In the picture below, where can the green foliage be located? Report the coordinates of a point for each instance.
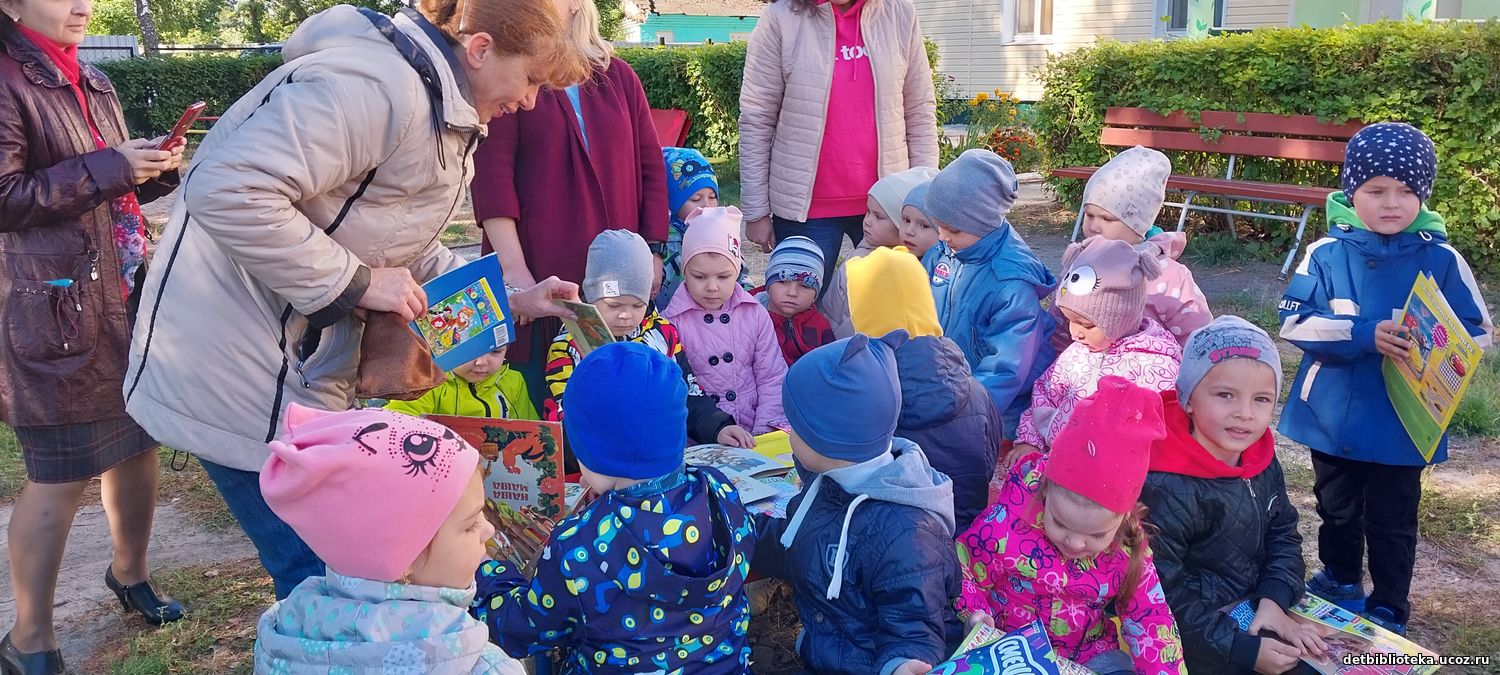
(1442, 77)
(611, 19)
(221, 21)
(154, 91)
(1478, 413)
(704, 81)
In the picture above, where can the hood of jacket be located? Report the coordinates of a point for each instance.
(1341, 215)
(414, 37)
(664, 517)
(1180, 453)
(1007, 257)
(339, 622)
(901, 476)
(1169, 245)
(935, 381)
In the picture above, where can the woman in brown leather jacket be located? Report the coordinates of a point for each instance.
(72, 246)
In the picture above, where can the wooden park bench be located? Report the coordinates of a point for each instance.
(1301, 137)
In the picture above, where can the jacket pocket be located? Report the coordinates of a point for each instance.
(1309, 379)
(45, 323)
(330, 351)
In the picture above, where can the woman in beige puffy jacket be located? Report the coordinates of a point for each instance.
(836, 94)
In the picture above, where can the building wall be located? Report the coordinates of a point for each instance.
(696, 28)
(970, 38)
(1256, 13)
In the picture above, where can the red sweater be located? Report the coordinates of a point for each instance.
(533, 167)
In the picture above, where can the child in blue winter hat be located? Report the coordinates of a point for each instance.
(650, 575)
(691, 184)
(1338, 310)
(873, 514)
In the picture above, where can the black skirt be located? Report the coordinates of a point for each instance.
(74, 452)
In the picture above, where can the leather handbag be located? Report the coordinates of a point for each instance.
(395, 363)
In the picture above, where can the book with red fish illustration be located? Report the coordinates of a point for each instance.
(523, 482)
(467, 315)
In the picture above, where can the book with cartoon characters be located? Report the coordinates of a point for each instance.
(1356, 646)
(757, 477)
(523, 481)
(990, 651)
(467, 313)
(1427, 386)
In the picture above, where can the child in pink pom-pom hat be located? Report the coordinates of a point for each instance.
(394, 505)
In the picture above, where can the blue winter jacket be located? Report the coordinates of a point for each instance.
(1347, 283)
(989, 301)
(648, 578)
(869, 554)
(946, 412)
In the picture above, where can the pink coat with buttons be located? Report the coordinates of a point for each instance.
(735, 356)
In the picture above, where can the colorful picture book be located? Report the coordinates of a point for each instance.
(523, 482)
(589, 331)
(468, 314)
(990, 651)
(756, 476)
(1349, 635)
(1427, 385)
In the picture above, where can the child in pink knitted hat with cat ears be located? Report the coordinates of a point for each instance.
(1102, 297)
(394, 505)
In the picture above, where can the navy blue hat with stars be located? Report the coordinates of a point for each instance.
(1394, 149)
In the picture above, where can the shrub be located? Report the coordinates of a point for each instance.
(1442, 77)
(154, 91)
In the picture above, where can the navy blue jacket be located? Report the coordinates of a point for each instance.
(952, 417)
(646, 578)
(894, 589)
(1348, 282)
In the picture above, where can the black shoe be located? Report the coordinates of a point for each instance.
(141, 597)
(13, 662)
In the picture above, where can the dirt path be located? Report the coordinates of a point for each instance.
(176, 541)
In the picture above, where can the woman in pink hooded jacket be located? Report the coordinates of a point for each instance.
(728, 336)
(1103, 297)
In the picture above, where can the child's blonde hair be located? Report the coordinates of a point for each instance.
(1132, 537)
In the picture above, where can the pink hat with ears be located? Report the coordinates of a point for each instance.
(366, 489)
(715, 230)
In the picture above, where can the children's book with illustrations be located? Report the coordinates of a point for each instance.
(990, 651)
(756, 476)
(468, 314)
(1426, 386)
(1347, 636)
(523, 482)
(589, 331)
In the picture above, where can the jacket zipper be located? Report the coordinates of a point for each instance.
(474, 391)
(958, 272)
(463, 179)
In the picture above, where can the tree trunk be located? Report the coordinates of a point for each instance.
(150, 41)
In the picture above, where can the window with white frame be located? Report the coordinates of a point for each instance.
(1174, 15)
(665, 36)
(1033, 19)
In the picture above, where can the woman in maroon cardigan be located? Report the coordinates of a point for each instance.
(549, 179)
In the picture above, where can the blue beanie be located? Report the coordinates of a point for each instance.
(918, 197)
(844, 398)
(687, 172)
(626, 412)
(973, 193)
(796, 259)
(1394, 149)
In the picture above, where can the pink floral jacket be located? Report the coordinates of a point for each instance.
(1012, 572)
(1149, 358)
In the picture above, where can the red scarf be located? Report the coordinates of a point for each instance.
(129, 225)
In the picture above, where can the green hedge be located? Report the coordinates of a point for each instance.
(155, 90)
(1442, 77)
(702, 80)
